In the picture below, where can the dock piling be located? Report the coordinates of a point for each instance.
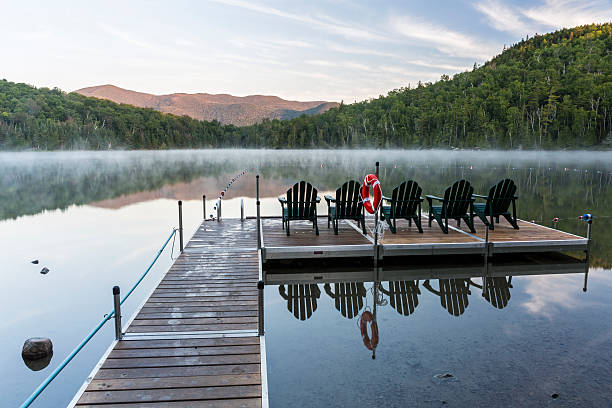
(219, 210)
(588, 251)
(117, 310)
(260, 306)
(204, 207)
(180, 210)
(241, 210)
(258, 212)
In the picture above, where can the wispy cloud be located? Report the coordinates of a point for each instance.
(548, 14)
(504, 18)
(443, 39)
(570, 13)
(325, 23)
(124, 35)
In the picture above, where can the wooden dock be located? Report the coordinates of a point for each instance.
(194, 342)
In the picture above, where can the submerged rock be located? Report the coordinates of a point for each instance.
(555, 395)
(445, 375)
(35, 262)
(36, 348)
(44, 270)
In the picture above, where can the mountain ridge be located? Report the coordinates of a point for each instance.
(224, 108)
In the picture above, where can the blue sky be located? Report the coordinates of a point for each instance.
(310, 50)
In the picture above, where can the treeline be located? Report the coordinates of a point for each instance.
(550, 91)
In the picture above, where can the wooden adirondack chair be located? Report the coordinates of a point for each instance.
(501, 195)
(346, 205)
(348, 297)
(453, 294)
(301, 204)
(497, 292)
(405, 203)
(457, 204)
(301, 299)
(403, 296)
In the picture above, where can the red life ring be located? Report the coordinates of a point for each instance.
(365, 318)
(371, 180)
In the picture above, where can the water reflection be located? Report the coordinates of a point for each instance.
(496, 290)
(403, 296)
(453, 294)
(301, 299)
(348, 297)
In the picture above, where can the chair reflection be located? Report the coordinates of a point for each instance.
(453, 294)
(497, 290)
(348, 297)
(403, 296)
(301, 299)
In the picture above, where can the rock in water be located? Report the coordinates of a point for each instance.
(36, 348)
(445, 375)
(35, 262)
(44, 270)
(37, 365)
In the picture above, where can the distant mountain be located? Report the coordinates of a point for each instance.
(226, 109)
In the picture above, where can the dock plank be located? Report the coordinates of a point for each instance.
(212, 286)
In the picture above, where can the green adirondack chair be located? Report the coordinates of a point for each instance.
(301, 299)
(405, 202)
(348, 297)
(403, 296)
(453, 294)
(497, 291)
(501, 195)
(457, 204)
(346, 205)
(300, 204)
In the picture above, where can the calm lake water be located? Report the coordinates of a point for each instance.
(97, 219)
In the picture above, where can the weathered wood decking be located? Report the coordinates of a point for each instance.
(194, 342)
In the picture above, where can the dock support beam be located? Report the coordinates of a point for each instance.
(588, 252)
(180, 208)
(487, 254)
(260, 305)
(241, 210)
(117, 309)
(219, 210)
(258, 212)
(376, 255)
(204, 207)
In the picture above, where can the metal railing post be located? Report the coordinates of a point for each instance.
(219, 210)
(376, 226)
(180, 209)
(260, 304)
(486, 261)
(117, 308)
(241, 210)
(258, 212)
(588, 252)
(204, 206)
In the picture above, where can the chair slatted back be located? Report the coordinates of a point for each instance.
(348, 297)
(301, 201)
(500, 197)
(301, 299)
(454, 295)
(498, 291)
(403, 296)
(405, 199)
(348, 202)
(457, 199)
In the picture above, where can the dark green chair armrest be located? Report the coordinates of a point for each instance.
(318, 199)
(282, 200)
(479, 196)
(329, 199)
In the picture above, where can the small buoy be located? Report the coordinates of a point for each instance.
(44, 270)
(222, 193)
(555, 219)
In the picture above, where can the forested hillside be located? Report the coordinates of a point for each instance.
(550, 91)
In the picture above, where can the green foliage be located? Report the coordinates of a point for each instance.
(552, 91)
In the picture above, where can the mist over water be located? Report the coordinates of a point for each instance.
(96, 219)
